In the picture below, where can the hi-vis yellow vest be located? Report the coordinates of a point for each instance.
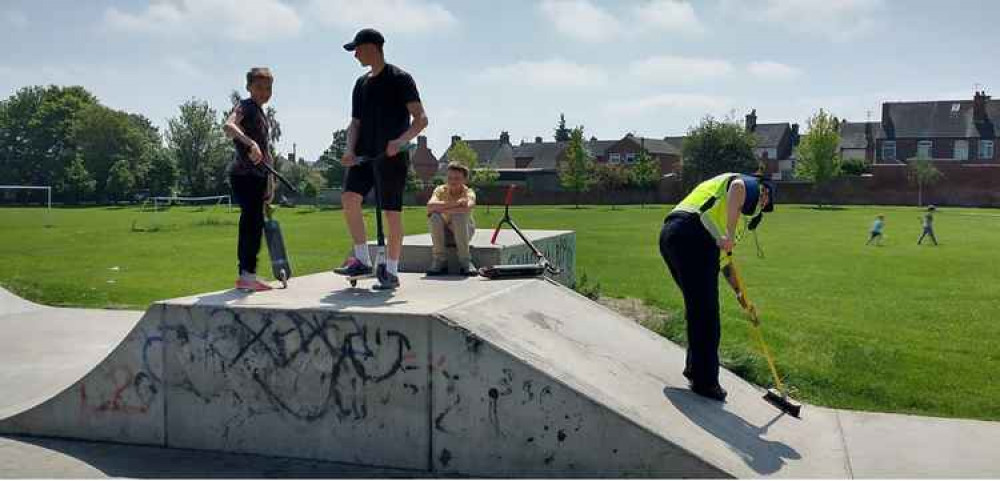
(709, 201)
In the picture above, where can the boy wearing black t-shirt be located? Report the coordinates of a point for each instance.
(383, 103)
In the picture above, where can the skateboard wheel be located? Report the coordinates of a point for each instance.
(354, 283)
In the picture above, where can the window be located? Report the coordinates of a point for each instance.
(615, 158)
(630, 158)
(985, 149)
(924, 148)
(889, 150)
(961, 150)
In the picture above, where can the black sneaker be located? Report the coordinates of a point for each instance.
(437, 270)
(713, 392)
(353, 268)
(389, 282)
(687, 374)
(468, 270)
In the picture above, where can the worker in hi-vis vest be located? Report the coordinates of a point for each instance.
(696, 241)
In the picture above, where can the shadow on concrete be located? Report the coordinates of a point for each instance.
(761, 455)
(39, 459)
(222, 298)
(361, 297)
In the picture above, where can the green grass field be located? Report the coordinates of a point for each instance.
(897, 328)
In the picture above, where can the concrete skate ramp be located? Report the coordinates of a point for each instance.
(45, 349)
(463, 376)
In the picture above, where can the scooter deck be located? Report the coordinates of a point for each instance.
(280, 266)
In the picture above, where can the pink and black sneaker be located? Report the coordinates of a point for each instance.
(253, 285)
(352, 268)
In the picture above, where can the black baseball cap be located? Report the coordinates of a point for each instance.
(365, 35)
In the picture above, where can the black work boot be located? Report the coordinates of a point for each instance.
(713, 392)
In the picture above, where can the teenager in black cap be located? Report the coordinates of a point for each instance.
(386, 114)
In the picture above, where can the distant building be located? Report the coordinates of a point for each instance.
(955, 130)
(775, 147)
(424, 163)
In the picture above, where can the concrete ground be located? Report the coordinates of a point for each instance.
(23, 457)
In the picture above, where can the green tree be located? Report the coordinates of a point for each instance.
(36, 123)
(715, 147)
(922, 172)
(75, 183)
(120, 181)
(330, 160)
(854, 167)
(562, 132)
(104, 136)
(818, 153)
(611, 179)
(162, 173)
(196, 141)
(645, 174)
(576, 174)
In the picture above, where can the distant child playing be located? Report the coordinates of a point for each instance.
(247, 126)
(876, 234)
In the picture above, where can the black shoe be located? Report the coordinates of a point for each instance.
(687, 374)
(468, 270)
(437, 271)
(714, 392)
(353, 268)
(390, 282)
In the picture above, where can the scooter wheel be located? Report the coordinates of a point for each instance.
(354, 283)
(283, 277)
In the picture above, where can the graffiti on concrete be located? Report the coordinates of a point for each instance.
(305, 365)
(120, 388)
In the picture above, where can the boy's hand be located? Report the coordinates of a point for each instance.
(393, 148)
(255, 154)
(349, 159)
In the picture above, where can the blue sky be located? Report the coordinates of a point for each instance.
(653, 67)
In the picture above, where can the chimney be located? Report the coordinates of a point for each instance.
(593, 139)
(751, 121)
(979, 106)
(455, 138)
(795, 134)
(887, 126)
(505, 137)
(422, 142)
(538, 140)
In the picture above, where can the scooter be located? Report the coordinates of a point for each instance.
(280, 265)
(511, 271)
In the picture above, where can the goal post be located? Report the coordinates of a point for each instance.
(157, 201)
(46, 188)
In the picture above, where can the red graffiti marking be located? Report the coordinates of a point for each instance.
(116, 403)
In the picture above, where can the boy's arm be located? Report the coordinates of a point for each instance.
(418, 125)
(350, 157)
(233, 131)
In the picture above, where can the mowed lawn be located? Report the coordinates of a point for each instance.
(896, 328)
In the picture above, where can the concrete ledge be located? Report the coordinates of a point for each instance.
(559, 246)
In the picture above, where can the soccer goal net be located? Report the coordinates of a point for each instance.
(199, 203)
(27, 195)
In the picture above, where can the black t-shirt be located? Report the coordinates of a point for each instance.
(254, 125)
(379, 102)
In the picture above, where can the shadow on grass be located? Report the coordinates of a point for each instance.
(831, 208)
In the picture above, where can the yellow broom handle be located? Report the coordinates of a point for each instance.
(755, 328)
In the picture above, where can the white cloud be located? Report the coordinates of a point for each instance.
(691, 103)
(670, 69)
(837, 20)
(581, 20)
(768, 70)
(584, 21)
(184, 67)
(241, 20)
(668, 16)
(14, 18)
(390, 16)
(548, 73)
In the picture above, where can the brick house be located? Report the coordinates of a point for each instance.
(626, 152)
(497, 153)
(424, 163)
(947, 130)
(775, 147)
(857, 140)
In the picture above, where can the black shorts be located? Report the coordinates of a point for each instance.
(361, 178)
